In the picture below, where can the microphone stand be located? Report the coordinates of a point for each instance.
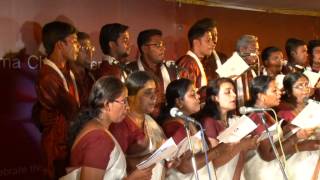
(204, 145)
(193, 159)
(263, 119)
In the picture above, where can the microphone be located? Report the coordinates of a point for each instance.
(247, 110)
(175, 112)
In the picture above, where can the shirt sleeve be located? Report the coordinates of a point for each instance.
(210, 126)
(175, 130)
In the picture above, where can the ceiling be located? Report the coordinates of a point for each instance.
(306, 7)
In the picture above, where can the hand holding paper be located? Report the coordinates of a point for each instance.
(239, 129)
(309, 117)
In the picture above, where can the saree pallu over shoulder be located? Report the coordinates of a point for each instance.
(116, 168)
(156, 137)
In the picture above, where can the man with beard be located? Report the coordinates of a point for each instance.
(114, 43)
(57, 93)
(152, 50)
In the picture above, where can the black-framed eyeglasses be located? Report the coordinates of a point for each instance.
(157, 45)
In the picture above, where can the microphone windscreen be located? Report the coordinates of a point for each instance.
(243, 110)
(173, 111)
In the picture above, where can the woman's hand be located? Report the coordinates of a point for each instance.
(249, 143)
(305, 133)
(141, 174)
(309, 145)
(213, 142)
(173, 163)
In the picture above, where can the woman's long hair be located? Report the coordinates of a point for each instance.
(105, 89)
(211, 108)
(175, 90)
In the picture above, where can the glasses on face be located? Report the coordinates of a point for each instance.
(123, 101)
(302, 86)
(87, 48)
(157, 45)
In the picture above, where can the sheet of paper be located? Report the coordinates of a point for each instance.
(166, 150)
(272, 129)
(235, 65)
(279, 81)
(183, 146)
(312, 76)
(239, 129)
(309, 117)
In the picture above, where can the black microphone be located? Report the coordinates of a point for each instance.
(247, 110)
(175, 112)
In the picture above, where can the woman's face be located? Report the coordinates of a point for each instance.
(301, 90)
(226, 97)
(145, 99)
(191, 102)
(271, 97)
(119, 107)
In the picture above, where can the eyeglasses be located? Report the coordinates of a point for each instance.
(302, 86)
(87, 48)
(157, 45)
(123, 101)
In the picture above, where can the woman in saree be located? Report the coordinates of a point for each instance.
(95, 154)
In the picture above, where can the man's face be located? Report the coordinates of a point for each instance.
(274, 62)
(70, 47)
(205, 44)
(154, 50)
(300, 55)
(316, 55)
(123, 45)
(214, 33)
(251, 48)
(85, 52)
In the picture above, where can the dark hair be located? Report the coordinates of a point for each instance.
(107, 88)
(207, 23)
(145, 36)
(211, 108)
(137, 80)
(313, 44)
(176, 89)
(291, 45)
(55, 31)
(110, 32)
(266, 53)
(288, 82)
(197, 31)
(259, 84)
(82, 36)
